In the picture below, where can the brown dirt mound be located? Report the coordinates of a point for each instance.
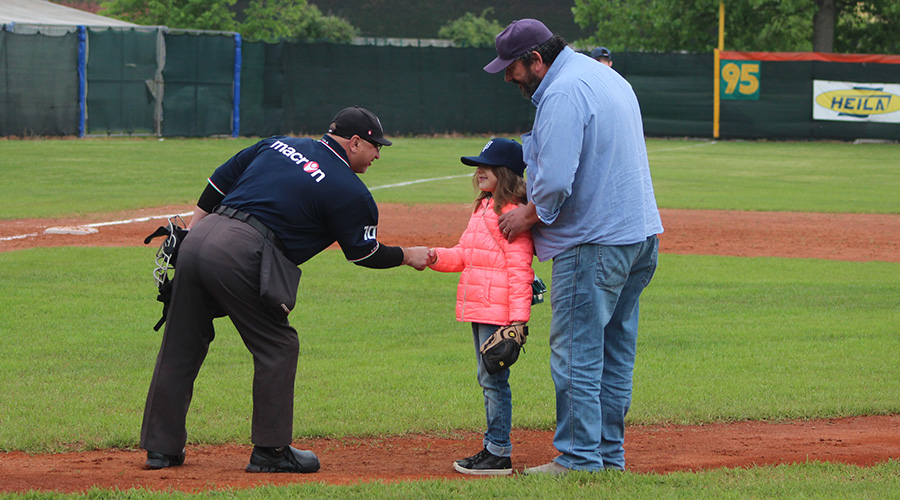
(858, 440)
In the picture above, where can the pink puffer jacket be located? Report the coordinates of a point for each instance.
(495, 285)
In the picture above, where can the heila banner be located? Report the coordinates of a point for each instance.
(857, 102)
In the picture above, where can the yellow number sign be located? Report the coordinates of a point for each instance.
(739, 80)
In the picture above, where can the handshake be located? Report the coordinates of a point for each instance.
(418, 257)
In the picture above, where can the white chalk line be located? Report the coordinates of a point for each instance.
(386, 186)
(139, 219)
(18, 237)
(145, 219)
(101, 224)
(419, 181)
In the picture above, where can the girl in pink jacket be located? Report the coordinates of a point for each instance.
(494, 287)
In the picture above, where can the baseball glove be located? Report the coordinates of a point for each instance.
(502, 348)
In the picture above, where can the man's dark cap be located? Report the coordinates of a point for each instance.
(601, 52)
(518, 38)
(358, 121)
(499, 152)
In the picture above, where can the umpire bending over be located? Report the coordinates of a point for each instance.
(268, 209)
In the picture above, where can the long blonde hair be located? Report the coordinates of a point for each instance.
(510, 189)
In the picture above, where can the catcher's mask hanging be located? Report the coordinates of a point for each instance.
(165, 260)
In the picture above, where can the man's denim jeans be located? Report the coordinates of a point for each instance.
(497, 398)
(593, 338)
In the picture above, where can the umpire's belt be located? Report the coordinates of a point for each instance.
(253, 221)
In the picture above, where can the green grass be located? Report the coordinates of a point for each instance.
(722, 339)
(50, 178)
(777, 176)
(726, 338)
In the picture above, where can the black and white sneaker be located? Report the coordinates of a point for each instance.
(484, 463)
(282, 459)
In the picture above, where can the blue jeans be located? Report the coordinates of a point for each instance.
(593, 339)
(497, 398)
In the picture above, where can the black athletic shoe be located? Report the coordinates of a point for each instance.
(161, 461)
(484, 463)
(282, 459)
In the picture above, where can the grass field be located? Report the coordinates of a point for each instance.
(55, 178)
(722, 338)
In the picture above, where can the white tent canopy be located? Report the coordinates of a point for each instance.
(41, 12)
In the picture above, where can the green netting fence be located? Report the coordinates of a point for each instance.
(124, 81)
(674, 90)
(167, 83)
(39, 92)
(413, 90)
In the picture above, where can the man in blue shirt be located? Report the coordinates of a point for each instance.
(265, 211)
(591, 209)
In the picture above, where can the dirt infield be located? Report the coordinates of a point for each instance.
(858, 440)
(862, 441)
(851, 237)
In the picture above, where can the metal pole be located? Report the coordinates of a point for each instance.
(716, 78)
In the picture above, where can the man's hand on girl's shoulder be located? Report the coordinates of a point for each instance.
(518, 220)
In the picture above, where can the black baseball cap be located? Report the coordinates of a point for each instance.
(499, 152)
(358, 121)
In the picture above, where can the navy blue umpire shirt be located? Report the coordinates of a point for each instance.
(305, 192)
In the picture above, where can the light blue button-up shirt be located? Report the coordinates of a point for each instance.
(588, 172)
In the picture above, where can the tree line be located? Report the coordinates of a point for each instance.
(263, 19)
(847, 26)
(851, 26)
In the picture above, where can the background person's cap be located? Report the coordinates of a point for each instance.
(518, 38)
(601, 52)
(358, 121)
(499, 152)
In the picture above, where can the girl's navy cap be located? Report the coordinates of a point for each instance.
(499, 152)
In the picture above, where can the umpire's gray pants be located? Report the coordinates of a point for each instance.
(218, 272)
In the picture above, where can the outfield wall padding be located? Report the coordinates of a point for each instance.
(784, 109)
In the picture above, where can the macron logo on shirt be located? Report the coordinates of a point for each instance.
(311, 167)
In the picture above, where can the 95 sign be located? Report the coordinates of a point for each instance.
(739, 80)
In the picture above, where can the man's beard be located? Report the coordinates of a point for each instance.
(529, 85)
